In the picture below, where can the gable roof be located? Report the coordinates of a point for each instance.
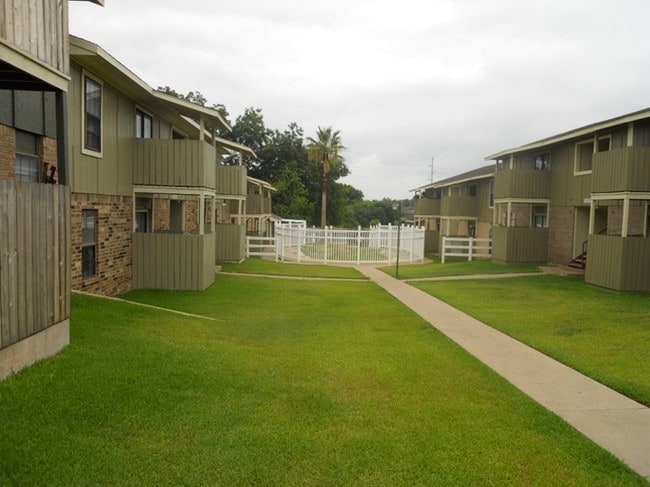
(478, 173)
(575, 133)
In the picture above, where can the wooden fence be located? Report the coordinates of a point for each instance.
(34, 259)
(466, 247)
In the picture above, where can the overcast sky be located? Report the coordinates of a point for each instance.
(404, 81)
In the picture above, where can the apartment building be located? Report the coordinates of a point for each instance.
(34, 192)
(459, 206)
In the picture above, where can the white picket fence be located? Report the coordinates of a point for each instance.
(379, 244)
(260, 246)
(466, 247)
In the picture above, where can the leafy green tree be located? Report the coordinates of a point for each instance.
(326, 149)
(291, 200)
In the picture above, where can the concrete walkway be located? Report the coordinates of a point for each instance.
(610, 419)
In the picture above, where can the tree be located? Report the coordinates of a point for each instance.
(325, 149)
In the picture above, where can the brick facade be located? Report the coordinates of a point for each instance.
(7, 152)
(560, 234)
(635, 223)
(114, 243)
(47, 152)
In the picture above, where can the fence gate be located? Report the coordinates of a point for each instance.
(260, 246)
(466, 247)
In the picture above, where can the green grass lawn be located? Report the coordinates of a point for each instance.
(296, 383)
(456, 268)
(262, 266)
(604, 334)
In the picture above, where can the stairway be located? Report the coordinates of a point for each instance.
(579, 262)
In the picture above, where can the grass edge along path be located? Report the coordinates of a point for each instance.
(336, 383)
(261, 267)
(597, 332)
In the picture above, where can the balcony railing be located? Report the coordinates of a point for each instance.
(427, 206)
(626, 169)
(522, 183)
(459, 206)
(181, 163)
(231, 180)
(257, 204)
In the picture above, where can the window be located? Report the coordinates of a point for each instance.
(143, 125)
(491, 204)
(583, 157)
(540, 217)
(604, 143)
(92, 103)
(501, 164)
(142, 221)
(473, 189)
(88, 243)
(27, 160)
(543, 162)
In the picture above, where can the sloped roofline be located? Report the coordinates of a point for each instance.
(575, 133)
(80, 48)
(473, 175)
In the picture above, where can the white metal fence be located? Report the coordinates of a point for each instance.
(467, 247)
(379, 244)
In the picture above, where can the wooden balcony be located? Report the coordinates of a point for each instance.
(459, 206)
(620, 263)
(179, 163)
(522, 183)
(173, 261)
(427, 206)
(231, 180)
(626, 169)
(519, 244)
(257, 204)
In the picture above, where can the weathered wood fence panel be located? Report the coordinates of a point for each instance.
(230, 242)
(34, 259)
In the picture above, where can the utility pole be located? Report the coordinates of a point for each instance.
(432, 171)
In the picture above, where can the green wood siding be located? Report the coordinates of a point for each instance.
(459, 206)
(620, 263)
(520, 244)
(35, 265)
(257, 204)
(173, 261)
(427, 206)
(432, 241)
(522, 183)
(626, 169)
(230, 242)
(187, 163)
(231, 180)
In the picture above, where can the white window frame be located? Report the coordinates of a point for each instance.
(576, 158)
(85, 150)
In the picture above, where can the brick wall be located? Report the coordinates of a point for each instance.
(7, 152)
(48, 155)
(635, 221)
(113, 251)
(161, 215)
(560, 234)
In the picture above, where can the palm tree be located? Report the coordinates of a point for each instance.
(325, 149)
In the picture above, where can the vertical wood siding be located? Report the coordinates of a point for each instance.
(231, 180)
(173, 261)
(620, 263)
(34, 259)
(39, 27)
(520, 244)
(230, 242)
(522, 183)
(626, 169)
(189, 163)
